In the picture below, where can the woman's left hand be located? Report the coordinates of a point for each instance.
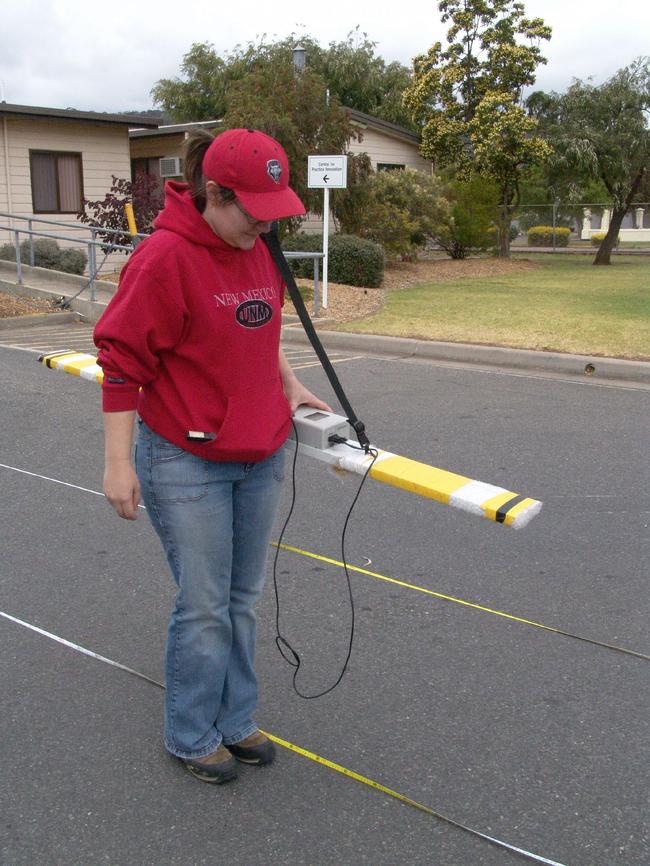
(298, 395)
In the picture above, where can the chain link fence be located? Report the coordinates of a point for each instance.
(583, 220)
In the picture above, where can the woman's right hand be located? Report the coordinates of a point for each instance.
(122, 488)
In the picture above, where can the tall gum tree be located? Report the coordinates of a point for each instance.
(467, 97)
(601, 133)
(353, 73)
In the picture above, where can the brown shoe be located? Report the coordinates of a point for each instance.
(216, 768)
(256, 749)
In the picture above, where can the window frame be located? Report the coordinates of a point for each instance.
(136, 160)
(391, 166)
(56, 154)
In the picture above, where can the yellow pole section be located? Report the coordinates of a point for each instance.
(130, 218)
(468, 494)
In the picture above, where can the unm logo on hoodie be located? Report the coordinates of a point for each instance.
(253, 310)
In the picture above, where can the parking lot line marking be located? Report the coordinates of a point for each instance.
(333, 360)
(305, 753)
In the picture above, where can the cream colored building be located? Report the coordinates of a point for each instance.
(158, 151)
(50, 158)
(389, 146)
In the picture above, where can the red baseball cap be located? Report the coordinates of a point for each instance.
(256, 168)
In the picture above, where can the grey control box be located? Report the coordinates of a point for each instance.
(316, 426)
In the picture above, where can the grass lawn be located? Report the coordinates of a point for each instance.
(564, 304)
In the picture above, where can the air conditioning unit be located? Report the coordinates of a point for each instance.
(170, 166)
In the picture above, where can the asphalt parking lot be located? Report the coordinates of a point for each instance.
(515, 731)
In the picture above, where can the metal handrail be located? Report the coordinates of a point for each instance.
(80, 226)
(92, 245)
(296, 254)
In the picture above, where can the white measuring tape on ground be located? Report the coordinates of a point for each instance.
(536, 858)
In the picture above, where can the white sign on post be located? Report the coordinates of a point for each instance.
(326, 172)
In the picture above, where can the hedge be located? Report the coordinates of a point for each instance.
(542, 236)
(352, 261)
(47, 255)
(597, 239)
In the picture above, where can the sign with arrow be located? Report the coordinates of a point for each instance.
(327, 172)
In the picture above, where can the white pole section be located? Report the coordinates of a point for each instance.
(326, 238)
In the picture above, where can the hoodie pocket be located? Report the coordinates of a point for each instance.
(255, 424)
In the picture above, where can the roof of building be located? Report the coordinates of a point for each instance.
(362, 119)
(39, 113)
(358, 117)
(174, 128)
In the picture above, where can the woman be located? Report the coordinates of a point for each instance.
(191, 341)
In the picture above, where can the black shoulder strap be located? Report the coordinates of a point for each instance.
(273, 243)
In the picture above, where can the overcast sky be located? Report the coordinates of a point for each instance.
(78, 54)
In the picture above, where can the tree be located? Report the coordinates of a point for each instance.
(405, 209)
(468, 96)
(146, 195)
(200, 94)
(292, 107)
(469, 224)
(362, 80)
(601, 133)
(349, 204)
(352, 72)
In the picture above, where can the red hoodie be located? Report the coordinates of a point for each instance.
(195, 324)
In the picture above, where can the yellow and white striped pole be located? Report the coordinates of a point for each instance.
(475, 497)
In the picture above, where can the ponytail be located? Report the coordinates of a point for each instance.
(198, 141)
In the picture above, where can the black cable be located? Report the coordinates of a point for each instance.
(282, 643)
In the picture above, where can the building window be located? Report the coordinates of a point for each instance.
(390, 166)
(57, 185)
(145, 165)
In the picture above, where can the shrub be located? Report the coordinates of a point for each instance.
(353, 261)
(469, 225)
(542, 236)
(406, 208)
(349, 204)
(598, 237)
(146, 195)
(46, 253)
(73, 261)
(304, 243)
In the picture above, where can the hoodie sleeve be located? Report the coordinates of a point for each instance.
(144, 318)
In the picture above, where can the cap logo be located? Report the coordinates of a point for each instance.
(274, 169)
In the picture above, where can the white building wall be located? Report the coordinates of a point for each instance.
(386, 149)
(104, 152)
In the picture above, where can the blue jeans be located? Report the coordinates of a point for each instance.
(214, 521)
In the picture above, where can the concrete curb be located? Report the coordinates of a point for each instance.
(14, 323)
(595, 367)
(592, 366)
